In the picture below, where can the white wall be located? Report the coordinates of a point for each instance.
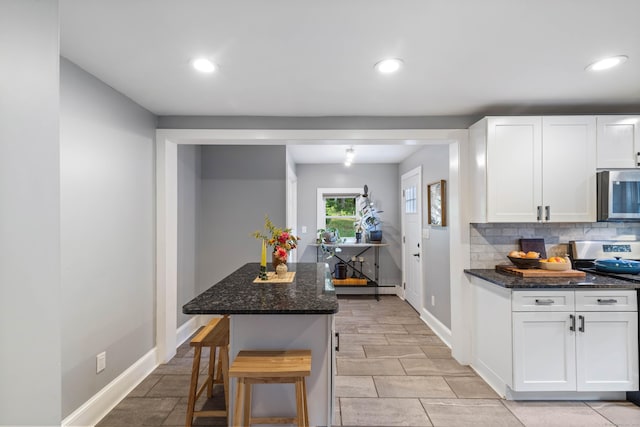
(436, 281)
(384, 186)
(107, 233)
(189, 211)
(29, 214)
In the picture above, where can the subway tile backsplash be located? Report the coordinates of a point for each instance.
(490, 243)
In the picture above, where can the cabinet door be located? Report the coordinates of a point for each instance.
(514, 168)
(618, 142)
(543, 352)
(569, 168)
(607, 351)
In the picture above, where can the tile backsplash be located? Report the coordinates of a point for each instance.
(490, 243)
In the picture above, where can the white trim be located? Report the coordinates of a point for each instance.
(100, 404)
(166, 248)
(437, 326)
(456, 138)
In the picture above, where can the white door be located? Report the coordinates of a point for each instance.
(618, 142)
(411, 237)
(607, 352)
(514, 169)
(569, 186)
(544, 353)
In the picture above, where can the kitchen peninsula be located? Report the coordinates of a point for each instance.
(266, 316)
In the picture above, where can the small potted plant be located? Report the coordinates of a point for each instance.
(370, 217)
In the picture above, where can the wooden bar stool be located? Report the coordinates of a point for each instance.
(270, 367)
(215, 336)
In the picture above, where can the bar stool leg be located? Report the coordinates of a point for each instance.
(194, 386)
(304, 401)
(247, 404)
(224, 372)
(237, 413)
(299, 408)
(212, 364)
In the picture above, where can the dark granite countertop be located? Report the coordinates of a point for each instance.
(310, 293)
(591, 281)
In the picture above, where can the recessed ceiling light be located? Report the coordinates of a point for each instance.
(204, 65)
(607, 63)
(387, 66)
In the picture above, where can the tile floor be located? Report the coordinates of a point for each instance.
(391, 371)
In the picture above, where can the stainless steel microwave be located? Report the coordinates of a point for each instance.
(619, 195)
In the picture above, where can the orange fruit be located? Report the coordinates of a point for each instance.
(532, 254)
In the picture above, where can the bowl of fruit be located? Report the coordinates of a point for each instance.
(524, 259)
(556, 263)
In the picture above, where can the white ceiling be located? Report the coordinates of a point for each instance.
(315, 58)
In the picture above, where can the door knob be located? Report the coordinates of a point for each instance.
(418, 255)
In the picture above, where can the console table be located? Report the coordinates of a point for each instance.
(361, 248)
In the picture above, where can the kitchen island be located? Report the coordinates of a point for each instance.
(267, 316)
(555, 338)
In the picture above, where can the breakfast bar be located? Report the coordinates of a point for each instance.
(268, 316)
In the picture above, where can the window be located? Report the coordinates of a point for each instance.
(410, 200)
(340, 213)
(337, 208)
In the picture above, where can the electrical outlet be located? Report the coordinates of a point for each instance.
(101, 362)
(433, 300)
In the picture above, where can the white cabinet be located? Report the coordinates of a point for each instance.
(606, 357)
(528, 169)
(543, 352)
(618, 143)
(592, 346)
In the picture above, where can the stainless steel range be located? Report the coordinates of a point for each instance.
(584, 253)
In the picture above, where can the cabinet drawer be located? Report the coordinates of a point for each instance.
(606, 300)
(543, 301)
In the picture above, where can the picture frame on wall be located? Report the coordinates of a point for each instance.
(437, 203)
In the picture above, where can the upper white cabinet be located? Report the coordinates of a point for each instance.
(618, 142)
(528, 169)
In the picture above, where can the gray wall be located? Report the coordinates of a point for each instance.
(189, 206)
(435, 262)
(384, 187)
(29, 214)
(490, 243)
(240, 185)
(107, 234)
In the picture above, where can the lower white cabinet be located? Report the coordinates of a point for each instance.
(606, 351)
(544, 352)
(576, 350)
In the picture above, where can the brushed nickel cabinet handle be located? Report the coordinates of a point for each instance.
(539, 213)
(547, 213)
(572, 327)
(544, 301)
(607, 301)
(581, 328)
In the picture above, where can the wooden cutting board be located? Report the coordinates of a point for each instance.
(538, 272)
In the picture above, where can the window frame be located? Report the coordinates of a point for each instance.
(321, 214)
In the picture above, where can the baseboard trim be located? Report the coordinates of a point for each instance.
(437, 326)
(100, 404)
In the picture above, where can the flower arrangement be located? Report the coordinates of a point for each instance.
(281, 239)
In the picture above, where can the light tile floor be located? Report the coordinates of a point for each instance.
(391, 371)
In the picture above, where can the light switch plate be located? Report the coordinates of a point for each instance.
(304, 229)
(101, 362)
(425, 233)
